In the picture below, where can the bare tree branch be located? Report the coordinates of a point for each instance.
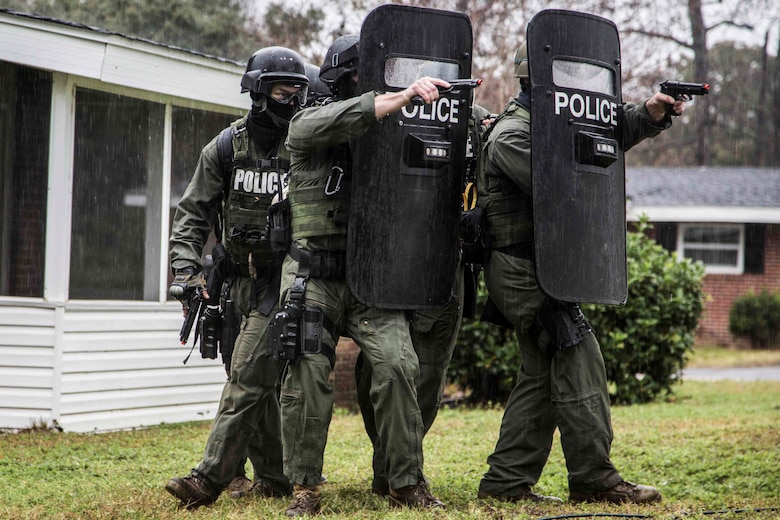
(663, 36)
(731, 24)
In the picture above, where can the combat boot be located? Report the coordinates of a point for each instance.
(260, 489)
(619, 493)
(239, 486)
(416, 496)
(306, 501)
(192, 491)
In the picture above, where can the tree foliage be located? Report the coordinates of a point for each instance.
(743, 131)
(227, 29)
(292, 27)
(737, 124)
(645, 343)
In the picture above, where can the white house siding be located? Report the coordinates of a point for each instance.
(96, 365)
(124, 369)
(26, 366)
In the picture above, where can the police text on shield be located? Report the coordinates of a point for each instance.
(590, 107)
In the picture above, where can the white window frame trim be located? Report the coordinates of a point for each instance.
(58, 237)
(714, 269)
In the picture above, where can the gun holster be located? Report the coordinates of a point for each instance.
(284, 333)
(210, 331)
(297, 329)
(563, 321)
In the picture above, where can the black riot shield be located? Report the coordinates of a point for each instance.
(402, 249)
(576, 160)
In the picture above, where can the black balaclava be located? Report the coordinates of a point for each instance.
(346, 88)
(524, 97)
(268, 120)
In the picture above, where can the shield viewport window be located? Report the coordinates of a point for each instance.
(400, 72)
(584, 76)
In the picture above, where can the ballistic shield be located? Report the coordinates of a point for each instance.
(402, 247)
(576, 160)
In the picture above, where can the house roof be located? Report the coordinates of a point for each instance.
(704, 194)
(90, 53)
(99, 30)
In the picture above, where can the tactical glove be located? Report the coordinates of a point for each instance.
(186, 281)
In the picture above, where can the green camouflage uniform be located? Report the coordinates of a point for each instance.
(248, 420)
(568, 388)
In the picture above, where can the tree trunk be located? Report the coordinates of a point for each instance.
(700, 70)
(760, 148)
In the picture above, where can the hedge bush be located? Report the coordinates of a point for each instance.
(645, 342)
(757, 317)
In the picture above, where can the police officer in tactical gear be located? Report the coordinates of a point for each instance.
(236, 177)
(318, 90)
(314, 287)
(434, 333)
(558, 386)
(340, 65)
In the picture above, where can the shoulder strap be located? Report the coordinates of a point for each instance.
(225, 160)
(225, 152)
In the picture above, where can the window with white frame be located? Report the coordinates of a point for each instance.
(117, 183)
(720, 247)
(117, 161)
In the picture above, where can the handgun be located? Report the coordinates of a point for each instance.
(195, 303)
(194, 310)
(682, 91)
(455, 84)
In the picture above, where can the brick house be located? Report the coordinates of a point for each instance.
(727, 217)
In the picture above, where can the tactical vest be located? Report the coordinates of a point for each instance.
(322, 193)
(249, 190)
(509, 210)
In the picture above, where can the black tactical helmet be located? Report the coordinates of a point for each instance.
(340, 60)
(317, 88)
(270, 65)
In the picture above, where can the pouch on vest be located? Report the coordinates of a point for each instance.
(473, 236)
(279, 228)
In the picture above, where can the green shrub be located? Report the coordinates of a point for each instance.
(486, 358)
(757, 317)
(645, 342)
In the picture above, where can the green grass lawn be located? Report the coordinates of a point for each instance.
(718, 357)
(713, 446)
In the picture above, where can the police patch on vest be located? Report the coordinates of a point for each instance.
(257, 182)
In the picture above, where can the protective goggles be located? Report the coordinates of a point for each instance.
(283, 92)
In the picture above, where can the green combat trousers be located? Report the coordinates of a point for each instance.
(247, 423)
(307, 397)
(434, 333)
(566, 389)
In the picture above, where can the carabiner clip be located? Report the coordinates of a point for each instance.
(328, 190)
(469, 196)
